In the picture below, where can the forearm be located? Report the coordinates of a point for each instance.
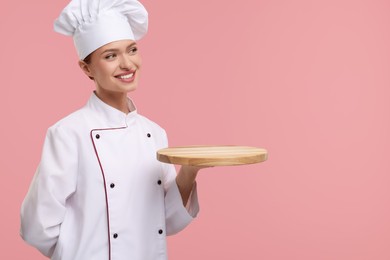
(185, 180)
(37, 226)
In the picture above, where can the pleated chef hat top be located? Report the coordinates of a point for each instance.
(94, 23)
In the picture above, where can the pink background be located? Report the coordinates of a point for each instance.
(307, 80)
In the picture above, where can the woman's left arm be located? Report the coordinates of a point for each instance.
(185, 181)
(180, 198)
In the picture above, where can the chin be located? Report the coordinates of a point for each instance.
(131, 89)
(127, 88)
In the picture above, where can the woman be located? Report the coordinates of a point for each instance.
(99, 192)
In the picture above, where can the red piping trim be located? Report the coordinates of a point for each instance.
(105, 186)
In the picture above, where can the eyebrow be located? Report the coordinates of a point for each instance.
(115, 50)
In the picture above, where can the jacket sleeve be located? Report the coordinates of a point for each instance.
(177, 217)
(44, 206)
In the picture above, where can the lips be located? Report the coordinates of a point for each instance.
(127, 76)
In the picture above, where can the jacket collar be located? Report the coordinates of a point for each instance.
(110, 115)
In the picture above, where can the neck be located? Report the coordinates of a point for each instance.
(117, 100)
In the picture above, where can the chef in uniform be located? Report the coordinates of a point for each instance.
(99, 193)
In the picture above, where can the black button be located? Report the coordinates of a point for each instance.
(97, 136)
(149, 135)
(112, 185)
(115, 235)
(160, 231)
(159, 182)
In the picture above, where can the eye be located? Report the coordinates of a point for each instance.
(133, 50)
(110, 56)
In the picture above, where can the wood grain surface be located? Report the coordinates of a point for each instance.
(222, 155)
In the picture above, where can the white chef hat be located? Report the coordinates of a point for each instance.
(94, 23)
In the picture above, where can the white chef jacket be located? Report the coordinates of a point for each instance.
(99, 192)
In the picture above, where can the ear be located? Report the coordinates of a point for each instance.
(85, 68)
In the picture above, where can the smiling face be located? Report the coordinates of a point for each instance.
(114, 68)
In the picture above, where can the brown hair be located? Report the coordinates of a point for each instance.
(88, 61)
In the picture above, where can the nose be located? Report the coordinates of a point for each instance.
(126, 63)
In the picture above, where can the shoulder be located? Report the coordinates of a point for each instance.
(151, 124)
(70, 124)
(155, 130)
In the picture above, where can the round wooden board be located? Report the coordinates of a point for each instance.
(223, 155)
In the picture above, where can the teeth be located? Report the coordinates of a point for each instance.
(126, 76)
